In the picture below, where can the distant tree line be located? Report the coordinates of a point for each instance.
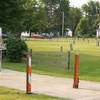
(45, 16)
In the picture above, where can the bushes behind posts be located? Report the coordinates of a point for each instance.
(15, 49)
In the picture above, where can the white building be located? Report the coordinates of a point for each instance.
(98, 32)
(69, 32)
(25, 34)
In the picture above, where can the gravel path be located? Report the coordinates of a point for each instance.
(53, 86)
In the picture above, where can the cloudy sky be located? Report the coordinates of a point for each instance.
(79, 3)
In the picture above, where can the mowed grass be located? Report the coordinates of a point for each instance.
(12, 94)
(89, 67)
(53, 46)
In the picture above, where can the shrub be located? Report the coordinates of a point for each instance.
(15, 49)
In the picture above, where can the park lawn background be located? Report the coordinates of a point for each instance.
(89, 67)
(12, 94)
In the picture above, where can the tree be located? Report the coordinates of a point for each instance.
(12, 13)
(83, 27)
(91, 11)
(54, 9)
(74, 17)
(37, 17)
(32, 15)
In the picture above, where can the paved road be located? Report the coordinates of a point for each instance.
(53, 86)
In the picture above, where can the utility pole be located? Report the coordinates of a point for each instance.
(62, 24)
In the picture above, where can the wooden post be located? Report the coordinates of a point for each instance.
(71, 47)
(76, 69)
(28, 73)
(61, 49)
(31, 52)
(68, 60)
(97, 42)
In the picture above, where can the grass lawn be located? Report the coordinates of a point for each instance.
(89, 68)
(12, 94)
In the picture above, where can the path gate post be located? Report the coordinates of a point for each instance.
(2, 47)
(28, 73)
(76, 69)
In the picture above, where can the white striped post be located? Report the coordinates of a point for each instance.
(28, 76)
(2, 47)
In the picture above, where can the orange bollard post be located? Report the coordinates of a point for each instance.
(76, 69)
(28, 75)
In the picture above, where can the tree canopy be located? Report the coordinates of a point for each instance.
(45, 16)
(12, 15)
(91, 11)
(74, 17)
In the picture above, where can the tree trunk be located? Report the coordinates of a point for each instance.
(73, 33)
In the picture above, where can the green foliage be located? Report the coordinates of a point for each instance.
(91, 11)
(15, 49)
(75, 15)
(32, 15)
(12, 15)
(54, 9)
(42, 16)
(37, 20)
(83, 27)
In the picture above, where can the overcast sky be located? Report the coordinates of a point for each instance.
(79, 3)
